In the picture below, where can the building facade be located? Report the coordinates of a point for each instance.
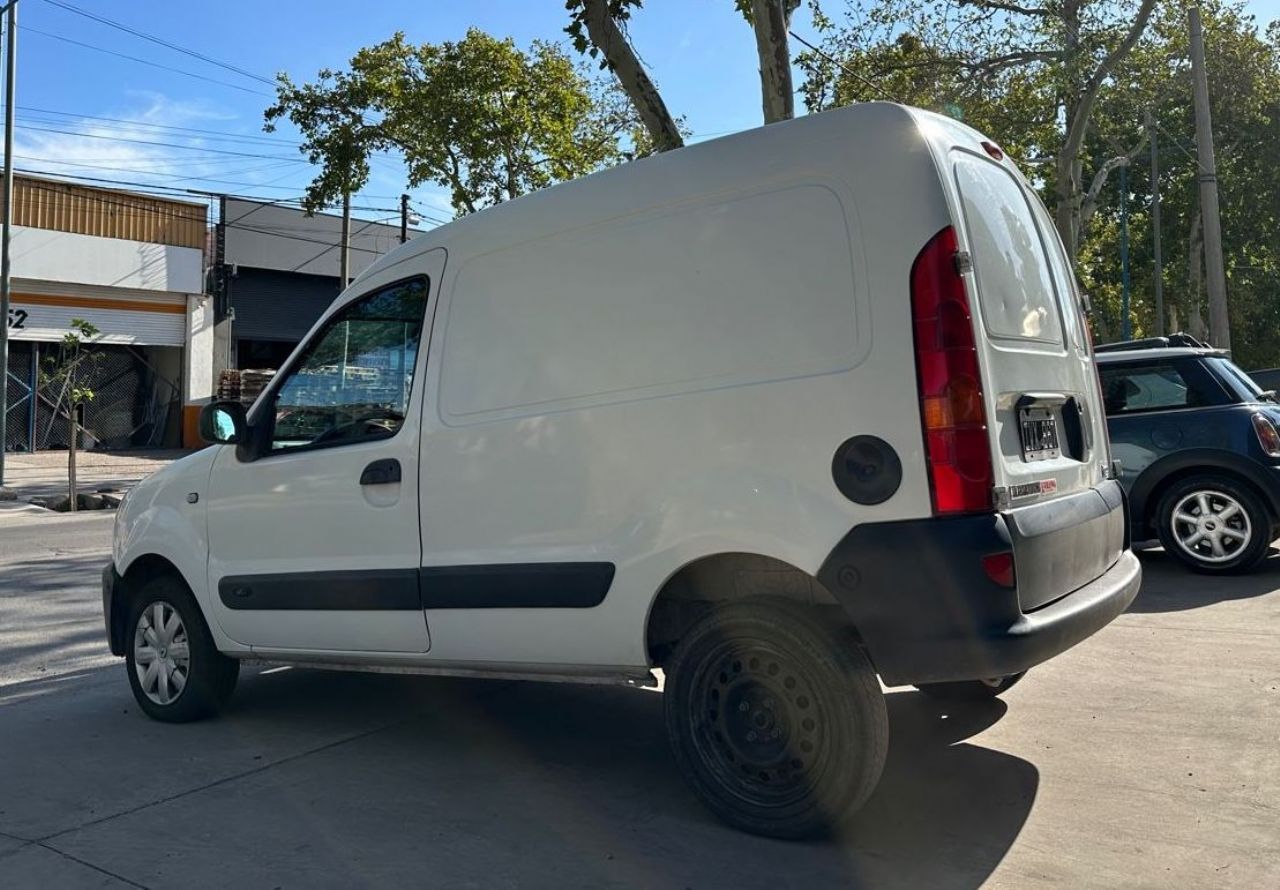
(276, 270)
(132, 266)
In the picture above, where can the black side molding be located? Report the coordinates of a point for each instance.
(376, 590)
(536, 585)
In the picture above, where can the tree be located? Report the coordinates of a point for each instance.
(479, 116)
(598, 29)
(771, 22)
(1053, 60)
(69, 371)
(1243, 67)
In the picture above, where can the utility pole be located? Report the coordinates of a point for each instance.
(404, 218)
(10, 88)
(1215, 274)
(344, 252)
(1126, 326)
(1153, 135)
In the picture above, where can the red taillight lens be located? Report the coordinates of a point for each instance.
(1268, 438)
(952, 409)
(999, 568)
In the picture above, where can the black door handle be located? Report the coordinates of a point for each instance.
(381, 472)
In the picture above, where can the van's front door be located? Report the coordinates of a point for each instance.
(313, 540)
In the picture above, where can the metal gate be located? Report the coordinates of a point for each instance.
(19, 384)
(134, 405)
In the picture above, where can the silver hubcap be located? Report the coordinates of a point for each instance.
(161, 653)
(1211, 526)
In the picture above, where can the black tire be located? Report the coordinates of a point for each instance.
(970, 690)
(209, 676)
(776, 720)
(1183, 499)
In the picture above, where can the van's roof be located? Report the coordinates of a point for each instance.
(757, 155)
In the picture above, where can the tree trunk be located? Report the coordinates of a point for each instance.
(72, 495)
(1078, 109)
(1195, 277)
(771, 20)
(607, 37)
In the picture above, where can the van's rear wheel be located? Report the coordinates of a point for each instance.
(776, 720)
(970, 690)
(175, 671)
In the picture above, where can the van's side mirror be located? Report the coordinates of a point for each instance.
(223, 423)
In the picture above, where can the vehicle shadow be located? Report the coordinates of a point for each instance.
(586, 776)
(313, 778)
(1167, 586)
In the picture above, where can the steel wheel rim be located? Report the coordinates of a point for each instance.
(1211, 526)
(749, 687)
(161, 653)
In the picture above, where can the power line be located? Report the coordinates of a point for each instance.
(140, 124)
(111, 52)
(170, 190)
(86, 164)
(219, 151)
(350, 246)
(875, 86)
(160, 41)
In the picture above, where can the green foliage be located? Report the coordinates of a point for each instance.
(73, 364)
(969, 72)
(1243, 67)
(619, 11)
(479, 116)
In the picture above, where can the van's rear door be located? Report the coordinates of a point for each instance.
(1048, 432)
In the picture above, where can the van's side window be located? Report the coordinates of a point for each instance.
(352, 382)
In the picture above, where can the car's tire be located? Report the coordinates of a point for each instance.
(1232, 536)
(190, 679)
(775, 719)
(970, 690)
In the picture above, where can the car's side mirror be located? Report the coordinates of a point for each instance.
(224, 423)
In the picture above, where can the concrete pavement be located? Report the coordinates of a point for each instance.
(44, 473)
(1146, 757)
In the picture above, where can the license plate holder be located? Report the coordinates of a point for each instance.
(1039, 431)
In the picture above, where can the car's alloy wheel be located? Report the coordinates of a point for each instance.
(161, 653)
(1214, 523)
(1211, 526)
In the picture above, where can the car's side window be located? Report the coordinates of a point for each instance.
(1130, 389)
(352, 382)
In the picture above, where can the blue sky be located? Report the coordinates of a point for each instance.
(700, 51)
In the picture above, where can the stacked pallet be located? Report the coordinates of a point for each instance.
(243, 386)
(229, 385)
(253, 382)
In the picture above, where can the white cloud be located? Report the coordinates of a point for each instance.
(136, 146)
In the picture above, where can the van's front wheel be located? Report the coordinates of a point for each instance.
(776, 720)
(176, 672)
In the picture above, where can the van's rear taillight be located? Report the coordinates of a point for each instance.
(952, 410)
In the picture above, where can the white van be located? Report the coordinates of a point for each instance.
(776, 413)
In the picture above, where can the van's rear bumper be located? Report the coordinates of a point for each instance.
(927, 612)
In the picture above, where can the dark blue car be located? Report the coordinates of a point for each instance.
(1199, 451)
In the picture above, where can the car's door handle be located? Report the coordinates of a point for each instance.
(381, 472)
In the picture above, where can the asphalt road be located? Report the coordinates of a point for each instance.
(1146, 757)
